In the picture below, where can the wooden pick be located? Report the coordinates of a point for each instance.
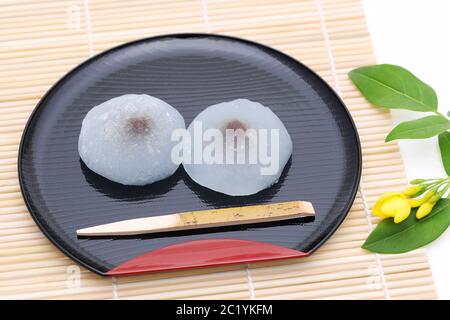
(203, 219)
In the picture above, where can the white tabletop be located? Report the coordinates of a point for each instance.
(415, 35)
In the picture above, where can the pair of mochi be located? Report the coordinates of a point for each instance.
(128, 140)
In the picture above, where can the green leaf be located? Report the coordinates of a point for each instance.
(419, 129)
(394, 87)
(444, 146)
(390, 237)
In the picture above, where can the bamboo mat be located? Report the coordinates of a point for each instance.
(42, 40)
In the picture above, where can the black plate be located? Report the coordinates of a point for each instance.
(190, 72)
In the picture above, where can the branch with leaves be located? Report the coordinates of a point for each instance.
(419, 214)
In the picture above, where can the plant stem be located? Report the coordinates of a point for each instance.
(444, 191)
(434, 185)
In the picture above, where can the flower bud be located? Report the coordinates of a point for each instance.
(424, 209)
(412, 191)
(418, 202)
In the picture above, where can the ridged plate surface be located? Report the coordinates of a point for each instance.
(190, 72)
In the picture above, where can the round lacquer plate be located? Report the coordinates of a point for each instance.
(190, 72)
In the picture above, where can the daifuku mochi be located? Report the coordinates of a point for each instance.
(243, 117)
(128, 139)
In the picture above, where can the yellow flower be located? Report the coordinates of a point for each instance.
(412, 191)
(424, 209)
(393, 204)
(418, 202)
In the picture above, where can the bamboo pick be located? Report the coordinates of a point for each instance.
(203, 219)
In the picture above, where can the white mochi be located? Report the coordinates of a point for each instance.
(239, 179)
(128, 139)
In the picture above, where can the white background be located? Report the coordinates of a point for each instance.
(416, 35)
